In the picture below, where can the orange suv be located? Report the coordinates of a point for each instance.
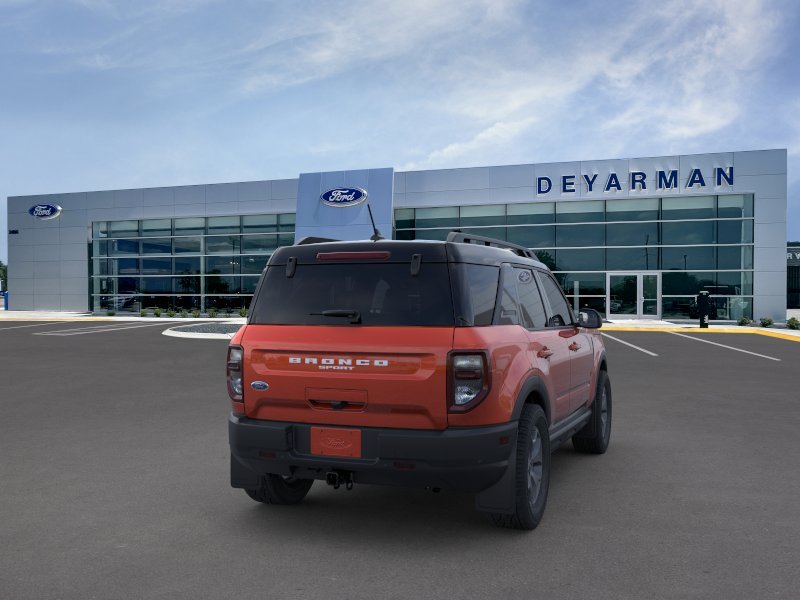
(453, 365)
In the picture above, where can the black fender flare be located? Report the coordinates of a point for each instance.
(531, 385)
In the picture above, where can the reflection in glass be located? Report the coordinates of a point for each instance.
(156, 266)
(580, 211)
(446, 216)
(686, 283)
(260, 223)
(222, 265)
(490, 214)
(187, 265)
(223, 225)
(735, 232)
(156, 227)
(259, 244)
(580, 235)
(190, 226)
(689, 232)
(580, 260)
(157, 246)
(696, 207)
(689, 258)
(637, 259)
(590, 284)
(634, 209)
(404, 218)
(735, 257)
(222, 244)
(222, 285)
(530, 213)
(542, 236)
(632, 234)
(188, 245)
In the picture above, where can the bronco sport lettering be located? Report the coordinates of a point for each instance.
(486, 371)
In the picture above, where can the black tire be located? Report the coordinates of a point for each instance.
(275, 489)
(596, 434)
(532, 478)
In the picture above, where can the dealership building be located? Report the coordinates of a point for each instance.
(633, 238)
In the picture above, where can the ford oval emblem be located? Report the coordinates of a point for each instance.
(259, 385)
(344, 196)
(45, 211)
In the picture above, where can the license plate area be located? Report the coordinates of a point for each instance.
(332, 441)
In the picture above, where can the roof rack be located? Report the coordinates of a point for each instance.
(467, 238)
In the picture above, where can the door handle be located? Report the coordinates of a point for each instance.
(545, 352)
(574, 347)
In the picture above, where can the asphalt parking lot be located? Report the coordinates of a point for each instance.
(114, 484)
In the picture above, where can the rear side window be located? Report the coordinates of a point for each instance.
(561, 315)
(476, 293)
(530, 301)
(381, 293)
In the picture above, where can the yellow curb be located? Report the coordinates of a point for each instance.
(767, 333)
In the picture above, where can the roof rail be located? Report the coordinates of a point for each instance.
(467, 238)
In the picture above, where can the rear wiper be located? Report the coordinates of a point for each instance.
(353, 315)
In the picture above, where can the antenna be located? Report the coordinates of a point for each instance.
(377, 235)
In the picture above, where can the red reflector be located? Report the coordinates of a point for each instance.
(265, 454)
(504, 440)
(370, 255)
(404, 466)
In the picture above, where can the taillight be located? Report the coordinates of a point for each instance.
(234, 372)
(468, 378)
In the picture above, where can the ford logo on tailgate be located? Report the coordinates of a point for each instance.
(344, 196)
(45, 211)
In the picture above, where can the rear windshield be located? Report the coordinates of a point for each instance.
(379, 293)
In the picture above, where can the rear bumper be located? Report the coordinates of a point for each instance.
(458, 459)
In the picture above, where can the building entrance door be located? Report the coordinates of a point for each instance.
(633, 296)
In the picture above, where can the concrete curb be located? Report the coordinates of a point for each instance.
(198, 336)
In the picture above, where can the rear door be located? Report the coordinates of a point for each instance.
(547, 348)
(579, 344)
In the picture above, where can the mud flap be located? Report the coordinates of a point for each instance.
(501, 497)
(242, 476)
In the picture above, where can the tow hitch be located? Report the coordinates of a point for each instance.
(339, 478)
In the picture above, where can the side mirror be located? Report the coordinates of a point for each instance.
(589, 318)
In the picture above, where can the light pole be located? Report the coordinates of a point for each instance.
(684, 262)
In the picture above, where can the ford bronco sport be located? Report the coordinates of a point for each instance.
(453, 365)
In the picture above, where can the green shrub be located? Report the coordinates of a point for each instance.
(744, 321)
(156, 312)
(196, 313)
(793, 323)
(170, 313)
(143, 312)
(212, 313)
(766, 321)
(110, 312)
(242, 312)
(184, 313)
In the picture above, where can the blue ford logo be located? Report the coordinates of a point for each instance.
(344, 196)
(45, 211)
(259, 385)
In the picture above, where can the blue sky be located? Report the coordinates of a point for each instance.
(98, 94)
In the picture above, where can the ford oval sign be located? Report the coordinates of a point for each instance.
(45, 211)
(344, 196)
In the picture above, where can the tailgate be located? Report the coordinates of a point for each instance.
(344, 375)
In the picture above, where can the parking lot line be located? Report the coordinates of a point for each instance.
(724, 346)
(629, 344)
(101, 329)
(36, 325)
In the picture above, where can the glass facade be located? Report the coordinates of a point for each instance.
(185, 263)
(694, 242)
